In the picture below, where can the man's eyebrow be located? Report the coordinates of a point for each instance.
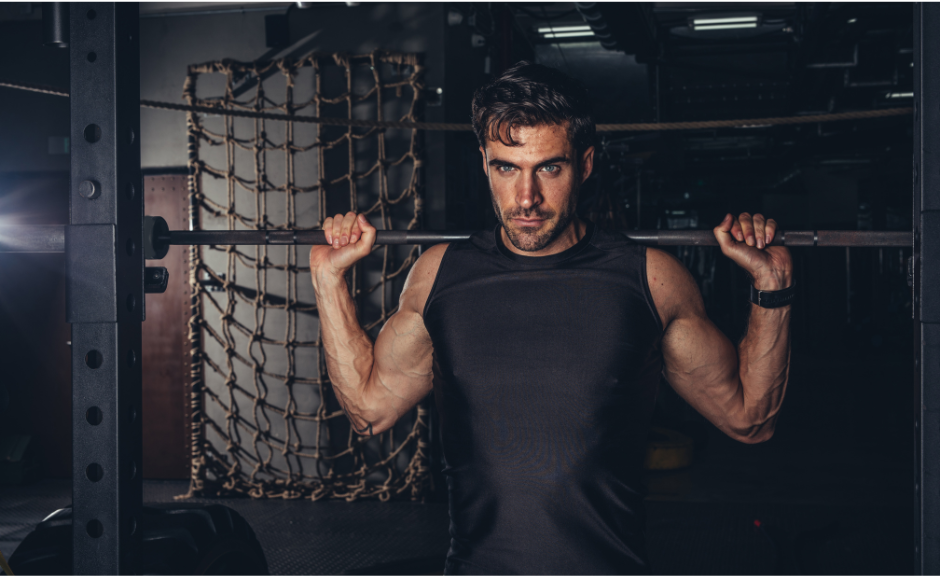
(555, 160)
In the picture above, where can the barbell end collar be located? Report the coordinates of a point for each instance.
(155, 229)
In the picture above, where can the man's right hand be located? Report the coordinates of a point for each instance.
(351, 238)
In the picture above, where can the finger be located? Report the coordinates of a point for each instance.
(759, 222)
(725, 224)
(747, 228)
(337, 230)
(346, 231)
(723, 233)
(368, 232)
(770, 230)
(736, 230)
(355, 231)
(328, 229)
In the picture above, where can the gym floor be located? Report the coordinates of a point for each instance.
(810, 501)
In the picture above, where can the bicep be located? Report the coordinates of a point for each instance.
(699, 361)
(403, 362)
(403, 354)
(701, 365)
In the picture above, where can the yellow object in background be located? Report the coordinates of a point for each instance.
(4, 566)
(668, 450)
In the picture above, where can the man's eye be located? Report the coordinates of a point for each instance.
(504, 168)
(550, 169)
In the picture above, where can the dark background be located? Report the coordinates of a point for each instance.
(844, 436)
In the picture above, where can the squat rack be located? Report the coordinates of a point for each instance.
(105, 252)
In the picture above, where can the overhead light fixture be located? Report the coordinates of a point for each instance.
(853, 20)
(726, 26)
(899, 95)
(567, 35)
(576, 31)
(725, 23)
(556, 29)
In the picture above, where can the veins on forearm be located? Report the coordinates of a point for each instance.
(364, 429)
(764, 357)
(348, 353)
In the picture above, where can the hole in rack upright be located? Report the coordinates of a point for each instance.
(93, 359)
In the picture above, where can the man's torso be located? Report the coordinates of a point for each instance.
(548, 370)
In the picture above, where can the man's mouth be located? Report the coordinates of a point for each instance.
(528, 221)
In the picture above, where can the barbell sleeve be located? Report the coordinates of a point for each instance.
(32, 239)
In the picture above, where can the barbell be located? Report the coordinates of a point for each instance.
(158, 238)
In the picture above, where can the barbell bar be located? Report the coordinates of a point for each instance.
(37, 239)
(833, 238)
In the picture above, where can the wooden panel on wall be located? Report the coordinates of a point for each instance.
(165, 350)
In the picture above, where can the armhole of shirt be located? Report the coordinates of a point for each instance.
(437, 278)
(646, 291)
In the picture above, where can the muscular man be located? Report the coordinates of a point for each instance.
(544, 341)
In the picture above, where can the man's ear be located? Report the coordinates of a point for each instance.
(587, 163)
(486, 168)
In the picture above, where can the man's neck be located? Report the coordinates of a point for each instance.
(571, 236)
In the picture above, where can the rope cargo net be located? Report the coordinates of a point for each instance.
(265, 421)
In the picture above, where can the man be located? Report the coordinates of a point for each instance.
(544, 342)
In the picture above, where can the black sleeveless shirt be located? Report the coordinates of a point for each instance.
(548, 369)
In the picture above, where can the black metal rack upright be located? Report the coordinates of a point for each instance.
(105, 286)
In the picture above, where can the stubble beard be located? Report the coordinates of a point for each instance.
(532, 239)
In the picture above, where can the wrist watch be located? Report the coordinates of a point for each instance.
(773, 299)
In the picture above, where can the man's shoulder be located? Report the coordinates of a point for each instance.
(421, 278)
(672, 286)
(429, 262)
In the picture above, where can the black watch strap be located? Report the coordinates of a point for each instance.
(775, 299)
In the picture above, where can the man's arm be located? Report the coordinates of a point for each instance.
(738, 390)
(376, 384)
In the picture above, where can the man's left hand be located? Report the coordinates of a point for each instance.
(746, 240)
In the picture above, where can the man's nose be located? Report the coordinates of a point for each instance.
(528, 194)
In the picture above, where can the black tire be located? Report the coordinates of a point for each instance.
(182, 539)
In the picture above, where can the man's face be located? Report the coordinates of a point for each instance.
(534, 186)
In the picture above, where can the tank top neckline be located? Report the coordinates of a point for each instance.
(551, 259)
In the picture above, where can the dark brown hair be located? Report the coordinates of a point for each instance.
(529, 95)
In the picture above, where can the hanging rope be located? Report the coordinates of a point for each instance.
(444, 126)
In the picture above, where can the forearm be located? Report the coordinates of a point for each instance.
(348, 349)
(764, 368)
